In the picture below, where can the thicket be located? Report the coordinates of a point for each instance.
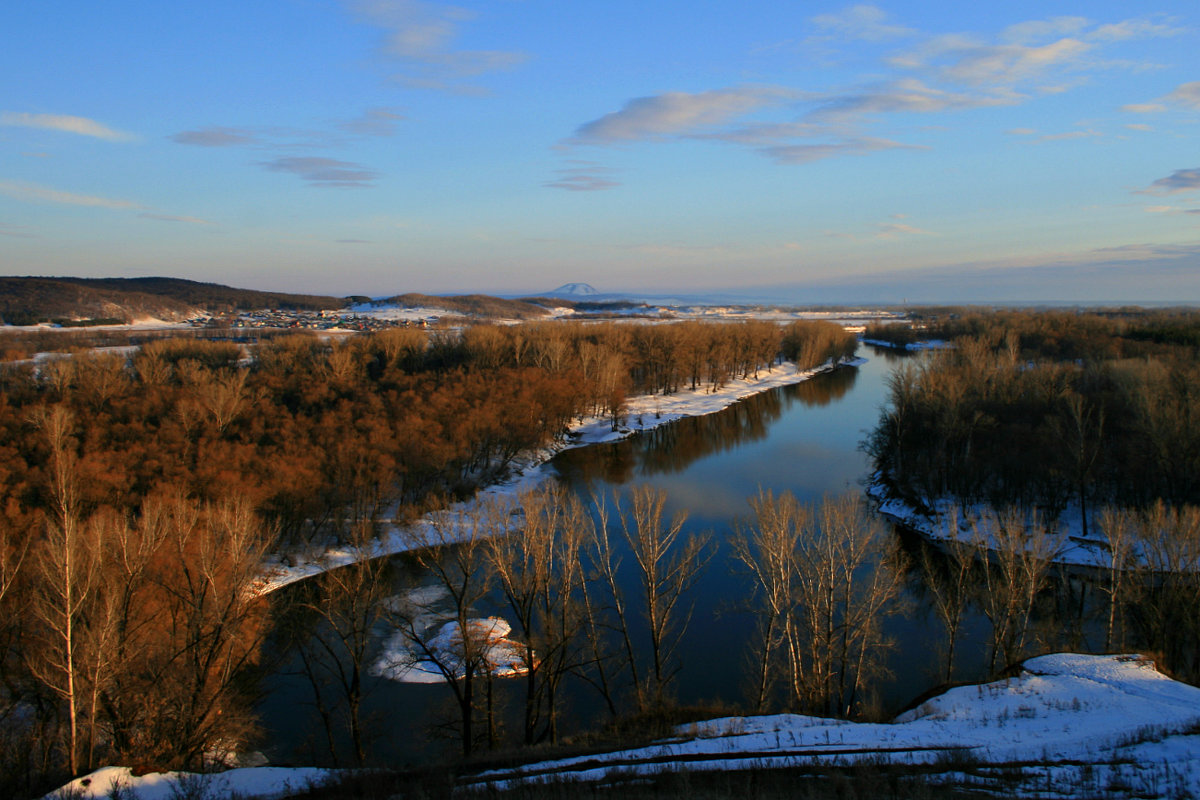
(139, 492)
(1042, 410)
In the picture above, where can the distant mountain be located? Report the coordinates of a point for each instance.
(29, 300)
(574, 291)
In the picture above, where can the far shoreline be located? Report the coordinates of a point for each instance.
(650, 411)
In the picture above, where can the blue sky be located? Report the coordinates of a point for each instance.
(918, 151)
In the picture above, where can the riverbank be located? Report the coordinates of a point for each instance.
(641, 413)
(1063, 725)
(947, 521)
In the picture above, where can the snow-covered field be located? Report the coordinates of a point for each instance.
(1068, 725)
(643, 413)
(1068, 721)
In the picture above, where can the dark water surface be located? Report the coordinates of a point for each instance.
(803, 438)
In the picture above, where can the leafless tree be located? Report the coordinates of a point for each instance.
(67, 563)
(539, 570)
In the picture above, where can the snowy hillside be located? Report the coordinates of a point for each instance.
(1066, 726)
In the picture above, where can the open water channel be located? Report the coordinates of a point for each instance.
(803, 438)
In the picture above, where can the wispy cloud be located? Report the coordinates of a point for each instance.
(935, 74)
(16, 231)
(174, 218)
(906, 95)
(893, 230)
(674, 113)
(1036, 53)
(1186, 95)
(1171, 210)
(216, 136)
(33, 193)
(808, 153)
(1181, 180)
(325, 172)
(420, 36)
(587, 176)
(1068, 135)
(860, 22)
(373, 122)
(81, 126)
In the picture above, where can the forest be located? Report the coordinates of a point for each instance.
(139, 493)
(1037, 416)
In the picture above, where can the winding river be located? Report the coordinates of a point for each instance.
(803, 438)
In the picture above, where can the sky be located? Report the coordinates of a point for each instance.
(905, 151)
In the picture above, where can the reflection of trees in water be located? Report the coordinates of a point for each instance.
(822, 390)
(673, 447)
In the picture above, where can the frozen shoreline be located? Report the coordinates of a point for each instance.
(642, 413)
(1065, 725)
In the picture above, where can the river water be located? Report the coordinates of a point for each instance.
(803, 438)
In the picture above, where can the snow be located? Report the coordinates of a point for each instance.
(401, 660)
(251, 782)
(642, 413)
(977, 522)
(931, 344)
(1070, 717)
(428, 606)
(1064, 724)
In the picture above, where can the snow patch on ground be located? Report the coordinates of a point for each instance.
(251, 782)
(947, 520)
(1067, 718)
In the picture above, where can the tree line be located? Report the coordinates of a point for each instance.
(139, 492)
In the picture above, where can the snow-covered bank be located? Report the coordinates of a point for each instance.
(642, 413)
(248, 783)
(1065, 723)
(931, 344)
(1064, 543)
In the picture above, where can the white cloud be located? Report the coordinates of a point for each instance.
(1144, 108)
(326, 172)
(960, 59)
(862, 22)
(374, 122)
(808, 153)
(1181, 180)
(216, 136)
(674, 113)
(908, 95)
(1187, 95)
(421, 36)
(81, 126)
(174, 218)
(891, 230)
(1036, 30)
(1022, 131)
(1060, 137)
(587, 177)
(33, 193)
(1138, 126)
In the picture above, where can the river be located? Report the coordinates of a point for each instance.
(803, 438)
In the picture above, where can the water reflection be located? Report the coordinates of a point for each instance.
(673, 448)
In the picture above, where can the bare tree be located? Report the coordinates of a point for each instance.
(947, 575)
(767, 547)
(539, 571)
(451, 550)
(666, 568)
(1119, 528)
(1018, 552)
(67, 564)
(336, 615)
